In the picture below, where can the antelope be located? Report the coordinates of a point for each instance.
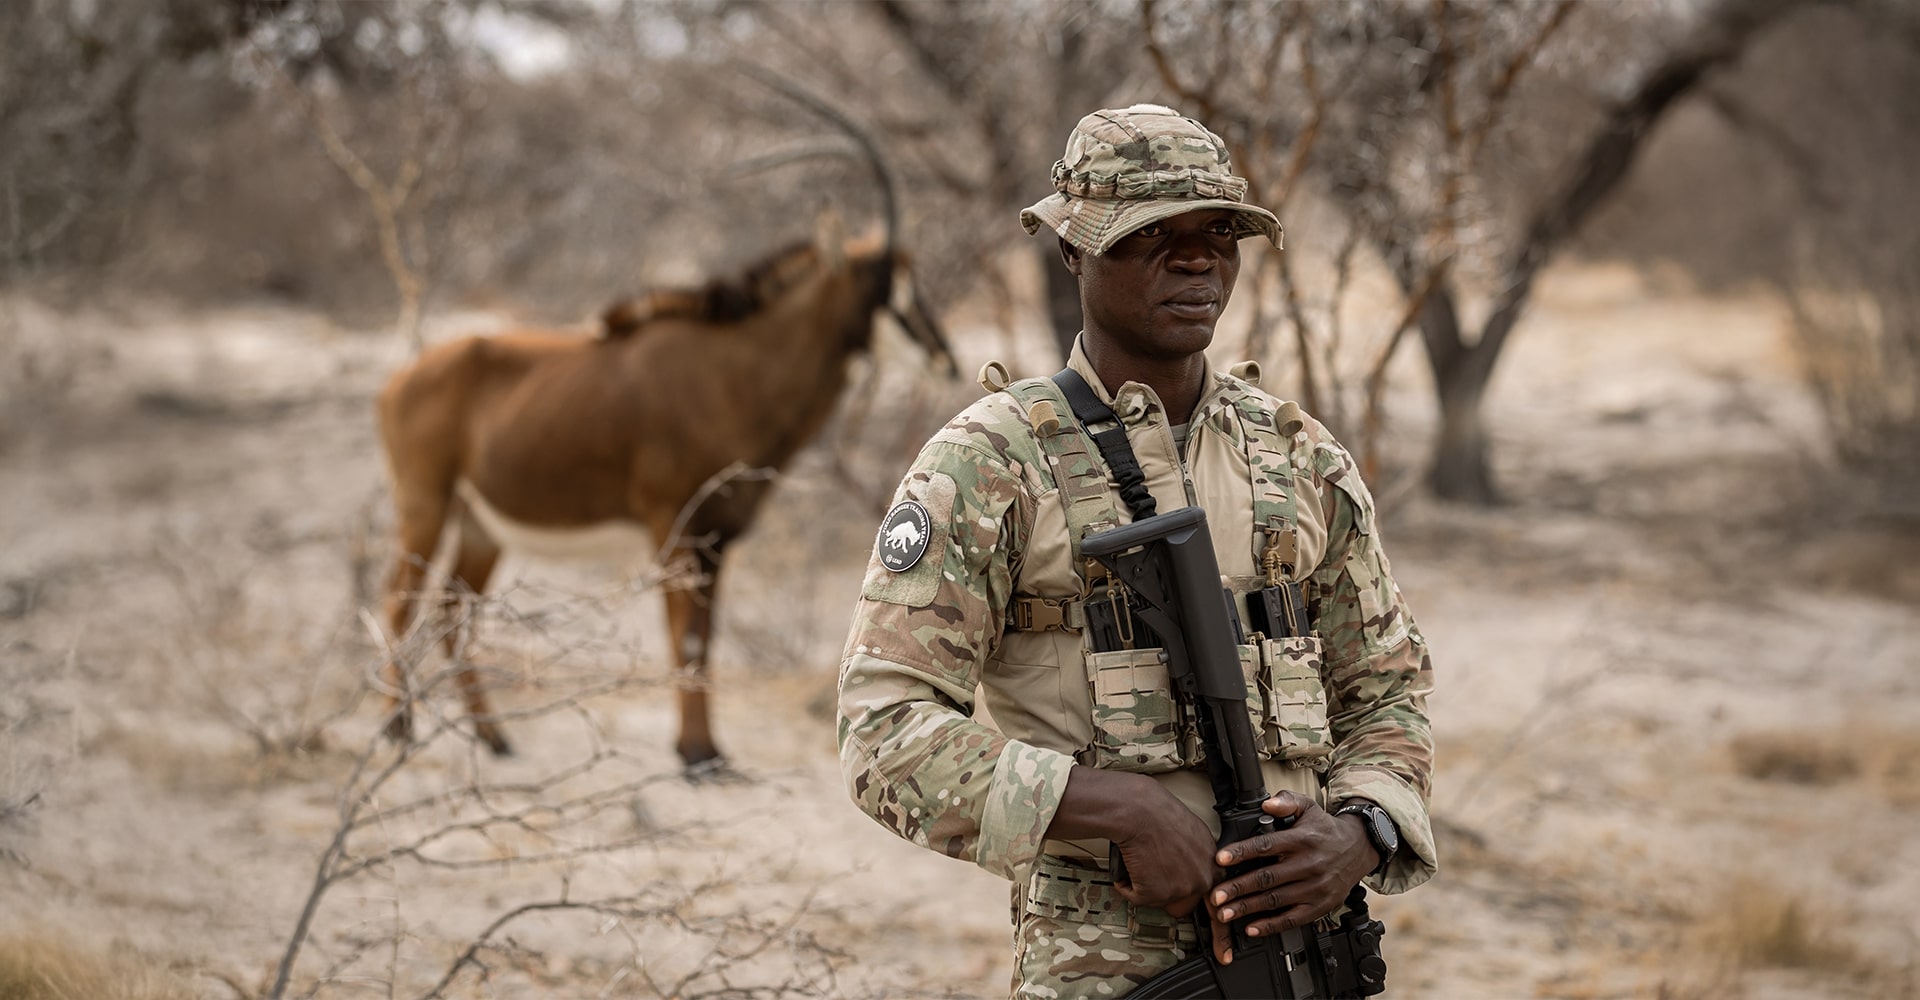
(503, 439)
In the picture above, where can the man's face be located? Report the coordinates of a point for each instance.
(1157, 293)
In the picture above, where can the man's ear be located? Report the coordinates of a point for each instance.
(1070, 255)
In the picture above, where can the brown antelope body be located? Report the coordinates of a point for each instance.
(561, 433)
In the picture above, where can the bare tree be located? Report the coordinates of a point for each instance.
(70, 126)
(1389, 108)
(427, 90)
(981, 62)
(1461, 147)
(1461, 370)
(1819, 217)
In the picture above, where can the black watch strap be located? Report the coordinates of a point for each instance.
(1382, 832)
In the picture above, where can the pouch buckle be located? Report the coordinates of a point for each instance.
(1041, 614)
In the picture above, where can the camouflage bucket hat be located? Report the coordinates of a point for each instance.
(1128, 167)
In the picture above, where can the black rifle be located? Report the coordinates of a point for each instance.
(1166, 566)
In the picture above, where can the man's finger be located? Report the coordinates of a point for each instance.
(1258, 880)
(1276, 924)
(1286, 803)
(1222, 942)
(1266, 845)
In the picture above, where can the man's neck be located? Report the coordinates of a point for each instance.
(1178, 383)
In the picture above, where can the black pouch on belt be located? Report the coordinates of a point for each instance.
(1279, 611)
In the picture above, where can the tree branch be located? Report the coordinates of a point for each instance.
(1604, 163)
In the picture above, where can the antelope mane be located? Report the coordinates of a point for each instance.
(721, 300)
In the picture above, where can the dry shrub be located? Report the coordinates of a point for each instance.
(232, 626)
(36, 730)
(1899, 773)
(1761, 924)
(44, 967)
(1794, 757)
(1885, 755)
(212, 763)
(1757, 925)
(1860, 353)
(1854, 292)
(1889, 755)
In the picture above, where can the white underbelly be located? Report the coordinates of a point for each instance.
(609, 540)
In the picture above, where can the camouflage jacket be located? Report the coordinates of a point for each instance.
(979, 778)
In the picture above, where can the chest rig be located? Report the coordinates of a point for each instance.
(1083, 439)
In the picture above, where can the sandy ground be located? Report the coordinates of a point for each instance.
(1675, 712)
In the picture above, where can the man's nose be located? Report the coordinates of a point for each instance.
(1193, 252)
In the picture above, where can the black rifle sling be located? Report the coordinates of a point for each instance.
(1117, 452)
(1113, 443)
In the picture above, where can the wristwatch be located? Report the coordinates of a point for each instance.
(1381, 832)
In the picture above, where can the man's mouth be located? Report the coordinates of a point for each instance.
(1199, 304)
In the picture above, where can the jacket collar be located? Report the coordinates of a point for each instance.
(1214, 393)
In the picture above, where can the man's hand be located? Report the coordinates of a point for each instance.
(1318, 860)
(1167, 849)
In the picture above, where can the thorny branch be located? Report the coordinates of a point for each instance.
(562, 817)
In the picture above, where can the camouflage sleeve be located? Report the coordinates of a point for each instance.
(1378, 674)
(911, 752)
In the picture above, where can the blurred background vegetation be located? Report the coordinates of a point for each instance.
(223, 221)
(545, 157)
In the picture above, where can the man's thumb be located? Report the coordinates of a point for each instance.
(1286, 803)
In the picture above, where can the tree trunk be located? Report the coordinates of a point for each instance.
(1461, 471)
(1461, 372)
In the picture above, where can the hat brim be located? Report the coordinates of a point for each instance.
(1094, 224)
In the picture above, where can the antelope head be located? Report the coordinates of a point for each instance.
(882, 271)
(906, 308)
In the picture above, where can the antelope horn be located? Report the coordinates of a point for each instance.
(835, 150)
(889, 211)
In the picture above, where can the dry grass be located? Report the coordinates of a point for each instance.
(216, 764)
(1884, 754)
(1794, 757)
(229, 618)
(1764, 925)
(1759, 927)
(43, 967)
(36, 730)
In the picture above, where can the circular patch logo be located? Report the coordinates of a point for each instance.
(903, 535)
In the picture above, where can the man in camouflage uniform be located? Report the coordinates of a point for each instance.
(977, 585)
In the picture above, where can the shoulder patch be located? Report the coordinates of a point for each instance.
(911, 551)
(904, 535)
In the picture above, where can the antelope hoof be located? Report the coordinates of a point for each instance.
(494, 741)
(715, 770)
(399, 727)
(704, 765)
(694, 754)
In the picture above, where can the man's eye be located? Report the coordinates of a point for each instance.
(1221, 229)
(1150, 229)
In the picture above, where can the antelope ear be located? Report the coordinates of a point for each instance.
(830, 234)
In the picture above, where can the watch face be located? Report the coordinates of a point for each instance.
(1380, 830)
(1384, 833)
